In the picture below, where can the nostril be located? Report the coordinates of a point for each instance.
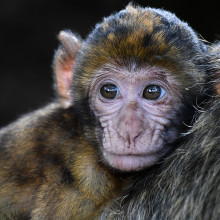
(137, 136)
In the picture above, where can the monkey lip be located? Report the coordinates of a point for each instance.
(131, 162)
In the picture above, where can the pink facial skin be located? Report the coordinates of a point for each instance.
(136, 130)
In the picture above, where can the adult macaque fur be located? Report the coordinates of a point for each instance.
(124, 96)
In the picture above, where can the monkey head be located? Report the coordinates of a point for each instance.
(132, 83)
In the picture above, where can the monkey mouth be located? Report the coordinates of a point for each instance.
(131, 162)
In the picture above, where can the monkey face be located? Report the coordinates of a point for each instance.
(135, 73)
(137, 111)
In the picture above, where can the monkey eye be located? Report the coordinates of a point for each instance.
(109, 91)
(153, 92)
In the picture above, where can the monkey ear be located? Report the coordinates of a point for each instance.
(63, 66)
(217, 83)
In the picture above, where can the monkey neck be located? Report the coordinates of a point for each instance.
(96, 184)
(95, 180)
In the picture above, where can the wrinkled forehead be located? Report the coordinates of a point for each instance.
(136, 75)
(132, 71)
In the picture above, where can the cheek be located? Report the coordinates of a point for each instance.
(105, 109)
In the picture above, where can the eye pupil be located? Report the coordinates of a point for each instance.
(152, 92)
(109, 91)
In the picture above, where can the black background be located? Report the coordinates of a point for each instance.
(28, 30)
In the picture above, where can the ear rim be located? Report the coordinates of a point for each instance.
(217, 82)
(65, 36)
(63, 66)
(214, 53)
(63, 97)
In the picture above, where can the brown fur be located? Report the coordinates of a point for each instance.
(50, 161)
(49, 171)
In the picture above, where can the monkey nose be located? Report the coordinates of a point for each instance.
(130, 133)
(130, 140)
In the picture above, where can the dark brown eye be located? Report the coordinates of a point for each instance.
(153, 92)
(109, 91)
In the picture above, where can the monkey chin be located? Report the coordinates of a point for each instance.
(130, 162)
